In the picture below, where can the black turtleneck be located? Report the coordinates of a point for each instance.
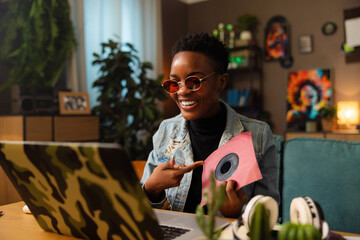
(205, 135)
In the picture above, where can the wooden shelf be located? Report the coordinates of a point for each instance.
(246, 81)
(325, 135)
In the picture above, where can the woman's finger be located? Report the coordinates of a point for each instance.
(192, 166)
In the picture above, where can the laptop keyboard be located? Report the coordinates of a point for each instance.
(172, 232)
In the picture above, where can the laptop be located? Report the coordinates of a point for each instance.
(90, 191)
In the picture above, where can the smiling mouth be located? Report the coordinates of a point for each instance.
(187, 103)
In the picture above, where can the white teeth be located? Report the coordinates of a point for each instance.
(188, 103)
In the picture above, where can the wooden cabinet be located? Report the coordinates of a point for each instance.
(43, 128)
(325, 135)
(49, 128)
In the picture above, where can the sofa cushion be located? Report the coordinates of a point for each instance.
(328, 171)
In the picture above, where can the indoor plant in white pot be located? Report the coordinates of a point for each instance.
(247, 24)
(328, 117)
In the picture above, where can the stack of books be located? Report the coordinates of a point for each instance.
(238, 97)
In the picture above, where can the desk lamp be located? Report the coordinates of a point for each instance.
(348, 115)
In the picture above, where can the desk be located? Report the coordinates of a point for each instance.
(15, 224)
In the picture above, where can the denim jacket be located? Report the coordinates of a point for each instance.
(172, 140)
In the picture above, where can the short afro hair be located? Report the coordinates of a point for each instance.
(210, 46)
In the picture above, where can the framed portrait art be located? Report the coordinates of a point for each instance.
(277, 45)
(74, 103)
(276, 39)
(307, 92)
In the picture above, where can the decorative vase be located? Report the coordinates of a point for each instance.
(327, 124)
(310, 126)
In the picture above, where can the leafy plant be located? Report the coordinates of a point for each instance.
(328, 112)
(247, 22)
(213, 202)
(128, 108)
(38, 39)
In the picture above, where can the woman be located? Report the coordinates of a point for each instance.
(174, 167)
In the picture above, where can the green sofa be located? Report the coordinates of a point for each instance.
(326, 170)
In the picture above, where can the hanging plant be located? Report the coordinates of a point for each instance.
(128, 108)
(38, 39)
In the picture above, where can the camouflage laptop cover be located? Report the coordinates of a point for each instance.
(86, 190)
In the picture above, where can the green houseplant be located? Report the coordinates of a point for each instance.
(38, 39)
(327, 115)
(247, 24)
(128, 99)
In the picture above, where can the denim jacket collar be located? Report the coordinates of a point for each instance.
(233, 128)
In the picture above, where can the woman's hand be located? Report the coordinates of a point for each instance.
(234, 202)
(167, 175)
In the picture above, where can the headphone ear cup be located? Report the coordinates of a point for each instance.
(270, 205)
(321, 212)
(324, 229)
(304, 211)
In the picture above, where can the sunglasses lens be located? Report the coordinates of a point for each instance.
(193, 83)
(170, 86)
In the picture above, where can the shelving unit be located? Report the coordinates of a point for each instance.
(244, 91)
(325, 135)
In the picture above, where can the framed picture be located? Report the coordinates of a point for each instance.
(276, 39)
(307, 92)
(74, 103)
(305, 44)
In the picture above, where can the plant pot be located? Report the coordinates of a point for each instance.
(310, 126)
(327, 124)
(246, 35)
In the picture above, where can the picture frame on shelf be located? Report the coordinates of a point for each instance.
(305, 43)
(73, 103)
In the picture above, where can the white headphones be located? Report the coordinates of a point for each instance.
(271, 207)
(302, 210)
